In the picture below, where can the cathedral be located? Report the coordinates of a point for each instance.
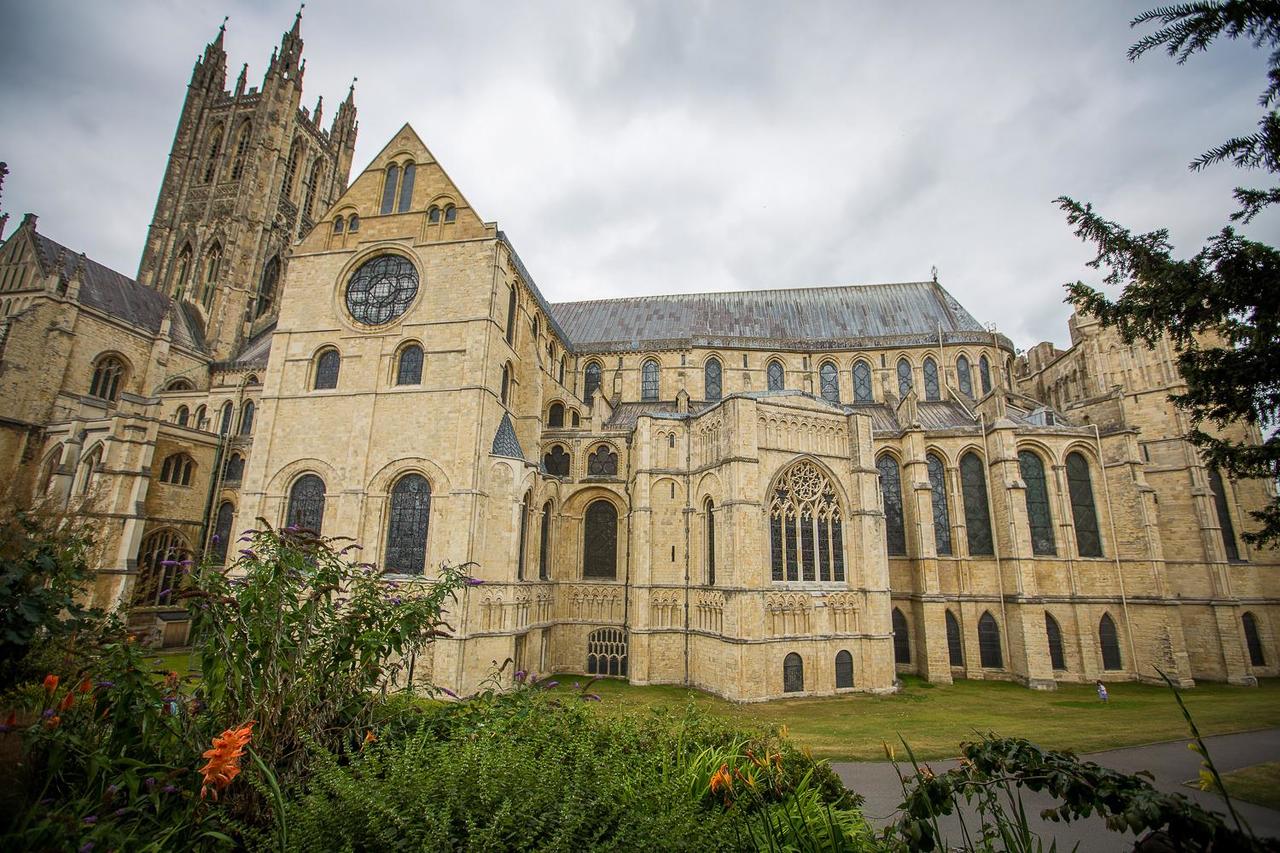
(761, 494)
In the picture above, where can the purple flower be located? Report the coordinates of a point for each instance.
(392, 585)
(169, 563)
(520, 675)
(121, 812)
(86, 847)
(150, 782)
(446, 691)
(577, 685)
(245, 539)
(164, 592)
(5, 728)
(474, 581)
(105, 684)
(91, 819)
(169, 789)
(111, 789)
(47, 713)
(549, 684)
(591, 697)
(249, 552)
(217, 540)
(395, 599)
(188, 562)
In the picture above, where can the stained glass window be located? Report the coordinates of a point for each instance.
(1083, 511)
(381, 289)
(556, 462)
(806, 537)
(989, 642)
(246, 418)
(353, 224)
(955, 647)
(1039, 516)
(649, 380)
(406, 188)
(159, 567)
(433, 214)
(964, 376)
(306, 504)
(233, 471)
(327, 366)
(1224, 515)
(901, 638)
(904, 377)
(603, 462)
(607, 652)
(984, 372)
(389, 188)
(600, 541)
(977, 514)
(711, 379)
(792, 673)
(891, 491)
(829, 382)
(1057, 656)
(590, 381)
(844, 669)
(777, 376)
(227, 411)
(862, 382)
(409, 368)
(555, 416)
(544, 544)
(409, 514)
(941, 512)
(107, 376)
(1252, 639)
(932, 388)
(222, 532)
(177, 469)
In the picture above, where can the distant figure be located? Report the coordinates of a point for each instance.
(1102, 691)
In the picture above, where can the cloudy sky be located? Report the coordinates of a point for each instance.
(639, 148)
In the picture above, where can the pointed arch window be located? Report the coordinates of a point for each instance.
(224, 423)
(267, 287)
(290, 170)
(197, 420)
(215, 148)
(1057, 656)
(776, 376)
(603, 462)
(410, 513)
(212, 261)
(505, 391)
(600, 541)
(862, 392)
(162, 552)
(891, 491)
(222, 532)
(805, 512)
(406, 188)
(560, 377)
(844, 669)
(242, 150)
(607, 652)
(711, 379)
(984, 374)
(989, 650)
(328, 364)
(108, 376)
(904, 377)
(306, 504)
(555, 416)
(177, 469)
(522, 546)
(313, 186)
(1039, 515)
(246, 418)
(233, 471)
(389, 188)
(590, 381)
(941, 511)
(556, 462)
(964, 376)
(829, 382)
(1252, 639)
(89, 468)
(792, 673)
(409, 366)
(708, 510)
(511, 316)
(649, 380)
(901, 638)
(932, 388)
(1083, 511)
(1109, 642)
(182, 272)
(182, 416)
(977, 513)
(544, 544)
(955, 647)
(1224, 515)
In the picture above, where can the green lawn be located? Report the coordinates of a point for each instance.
(1257, 784)
(934, 720)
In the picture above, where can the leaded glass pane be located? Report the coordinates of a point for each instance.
(777, 376)
(984, 372)
(600, 541)
(233, 471)
(829, 381)
(989, 643)
(964, 376)
(222, 532)
(792, 674)
(410, 513)
(1253, 640)
(159, 565)
(941, 512)
(901, 638)
(306, 503)
(406, 188)
(844, 669)
(862, 382)
(607, 652)
(1224, 515)
(904, 377)
(1039, 516)
(793, 549)
(556, 462)
(803, 509)
(775, 546)
(932, 388)
(824, 549)
(382, 289)
(555, 416)
(603, 462)
(837, 549)
(891, 491)
(1083, 510)
(450, 213)
(225, 426)
(977, 514)
(389, 188)
(806, 546)
(327, 369)
(1109, 642)
(711, 379)
(409, 370)
(590, 381)
(246, 418)
(955, 648)
(649, 381)
(511, 315)
(1057, 657)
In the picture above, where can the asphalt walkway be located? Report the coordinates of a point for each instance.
(1171, 763)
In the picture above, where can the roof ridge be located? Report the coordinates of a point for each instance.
(747, 292)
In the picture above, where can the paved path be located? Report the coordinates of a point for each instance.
(1171, 763)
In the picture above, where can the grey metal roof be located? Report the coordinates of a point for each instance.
(505, 442)
(946, 414)
(816, 317)
(254, 352)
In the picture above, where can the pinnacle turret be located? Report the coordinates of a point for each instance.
(211, 69)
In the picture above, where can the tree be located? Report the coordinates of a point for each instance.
(1219, 308)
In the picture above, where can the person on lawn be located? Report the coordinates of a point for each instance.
(1102, 691)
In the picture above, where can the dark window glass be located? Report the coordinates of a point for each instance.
(215, 148)
(450, 213)
(775, 546)
(574, 421)
(106, 379)
(649, 380)
(1253, 639)
(1083, 511)
(544, 544)
(804, 528)
(511, 315)
(590, 381)
(955, 648)
(389, 188)
(290, 171)
(777, 376)
(353, 224)
(824, 549)
(381, 289)
(556, 462)
(932, 388)
(212, 263)
(406, 188)
(313, 186)
(829, 382)
(242, 148)
(177, 470)
(806, 547)
(222, 532)
(409, 369)
(862, 382)
(1056, 655)
(227, 411)
(792, 674)
(233, 471)
(433, 215)
(327, 366)
(306, 504)
(246, 418)
(844, 669)
(941, 512)
(267, 288)
(984, 372)
(158, 565)
(555, 415)
(1039, 516)
(891, 490)
(560, 375)
(505, 391)
(837, 548)
(901, 638)
(407, 526)
(1109, 642)
(1224, 515)
(989, 643)
(711, 379)
(182, 273)
(904, 377)
(183, 416)
(977, 514)
(964, 376)
(607, 652)
(711, 542)
(603, 462)
(337, 225)
(526, 509)
(600, 541)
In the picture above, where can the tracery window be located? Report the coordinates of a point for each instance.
(590, 381)
(306, 504)
(711, 379)
(162, 552)
(829, 382)
(526, 510)
(708, 510)
(607, 652)
(246, 418)
(803, 512)
(977, 513)
(1224, 515)
(649, 380)
(511, 315)
(177, 469)
(776, 376)
(989, 642)
(290, 170)
(792, 673)
(406, 188)
(1057, 656)
(600, 541)
(932, 388)
(555, 416)
(901, 638)
(327, 366)
(407, 525)
(222, 532)
(233, 471)
(891, 491)
(941, 512)
(1039, 516)
(1083, 511)
(267, 289)
(556, 462)
(107, 376)
(904, 377)
(382, 289)
(182, 273)
(389, 188)
(409, 368)
(224, 426)
(1109, 642)
(844, 669)
(964, 376)
(215, 148)
(313, 186)
(1252, 639)
(862, 392)
(242, 148)
(984, 373)
(603, 462)
(955, 647)
(544, 544)
(212, 261)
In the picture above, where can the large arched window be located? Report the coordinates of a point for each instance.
(556, 462)
(407, 525)
(862, 392)
(306, 504)
(776, 376)
(159, 567)
(964, 376)
(984, 373)
(712, 376)
(590, 381)
(901, 638)
(989, 642)
(409, 366)
(708, 510)
(895, 530)
(544, 544)
(1039, 516)
(649, 380)
(977, 513)
(1224, 515)
(1057, 657)
(941, 512)
(955, 647)
(829, 382)
(607, 652)
(328, 364)
(406, 188)
(602, 462)
(233, 471)
(1252, 639)
(389, 188)
(246, 418)
(212, 266)
(108, 376)
(904, 377)
(806, 529)
(522, 548)
(267, 287)
(555, 416)
(182, 273)
(1109, 642)
(224, 421)
(222, 532)
(600, 541)
(932, 387)
(177, 469)
(242, 150)
(1083, 511)
(511, 316)
(792, 673)
(844, 669)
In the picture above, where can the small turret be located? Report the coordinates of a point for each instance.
(210, 71)
(240, 83)
(291, 63)
(316, 113)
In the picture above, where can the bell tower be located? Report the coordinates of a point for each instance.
(250, 172)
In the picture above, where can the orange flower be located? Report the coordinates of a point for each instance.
(52, 722)
(722, 782)
(368, 739)
(50, 683)
(171, 680)
(67, 702)
(224, 759)
(86, 686)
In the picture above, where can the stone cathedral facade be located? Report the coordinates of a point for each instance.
(760, 494)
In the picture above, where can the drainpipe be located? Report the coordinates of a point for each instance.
(1115, 547)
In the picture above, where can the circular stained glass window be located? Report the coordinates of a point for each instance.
(381, 290)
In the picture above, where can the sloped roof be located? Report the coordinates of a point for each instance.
(255, 350)
(505, 442)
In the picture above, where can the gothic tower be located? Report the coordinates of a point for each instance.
(249, 173)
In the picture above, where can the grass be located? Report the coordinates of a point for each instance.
(1258, 784)
(935, 719)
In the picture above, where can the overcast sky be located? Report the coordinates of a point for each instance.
(641, 148)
